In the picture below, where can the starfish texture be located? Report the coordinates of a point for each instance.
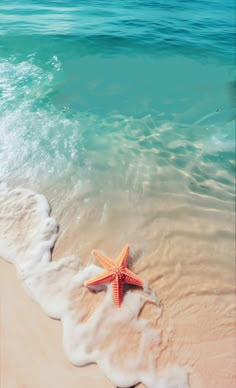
(116, 273)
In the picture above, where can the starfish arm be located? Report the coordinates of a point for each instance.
(117, 288)
(104, 277)
(131, 278)
(122, 259)
(104, 260)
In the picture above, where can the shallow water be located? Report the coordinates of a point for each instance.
(123, 117)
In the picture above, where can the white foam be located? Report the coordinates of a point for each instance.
(125, 346)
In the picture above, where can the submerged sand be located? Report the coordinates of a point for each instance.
(186, 252)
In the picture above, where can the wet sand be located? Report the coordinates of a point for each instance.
(189, 262)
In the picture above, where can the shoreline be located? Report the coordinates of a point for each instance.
(197, 297)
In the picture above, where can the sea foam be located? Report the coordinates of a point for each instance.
(124, 345)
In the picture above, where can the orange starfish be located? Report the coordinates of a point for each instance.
(116, 273)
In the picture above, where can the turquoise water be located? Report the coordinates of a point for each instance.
(118, 95)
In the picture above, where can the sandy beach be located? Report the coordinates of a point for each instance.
(31, 352)
(197, 315)
(31, 344)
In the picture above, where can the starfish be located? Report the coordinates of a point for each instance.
(116, 273)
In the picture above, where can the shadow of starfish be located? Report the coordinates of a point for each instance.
(133, 386)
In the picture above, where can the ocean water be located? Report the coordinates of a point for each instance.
(122, 116)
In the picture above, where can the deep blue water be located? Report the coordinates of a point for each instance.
(88, 90)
